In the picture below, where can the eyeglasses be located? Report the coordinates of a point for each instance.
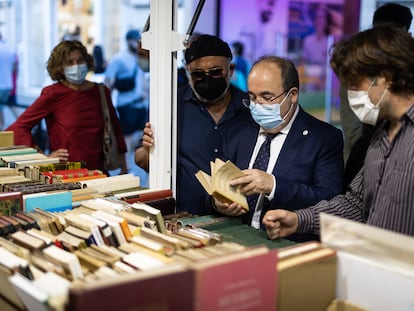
(200, 74)
(261, 100)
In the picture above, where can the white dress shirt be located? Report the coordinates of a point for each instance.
(275, 147)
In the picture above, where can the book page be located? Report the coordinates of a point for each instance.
(216, 165)
(221, 183)
(218, 184)
(205, 181)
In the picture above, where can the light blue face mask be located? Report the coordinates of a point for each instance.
(76, 74)
(268, 115)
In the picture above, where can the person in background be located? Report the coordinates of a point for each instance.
(72, 110)
(304, 164)
(315, 51)
(357, 135)
(100, 64)
(182, 76)
(209, 109)
(131, 104)
(8, 68)
(242, 66)
(376, 66)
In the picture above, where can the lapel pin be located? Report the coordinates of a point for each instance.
(305, 132)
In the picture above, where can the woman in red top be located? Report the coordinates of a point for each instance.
(72, 110)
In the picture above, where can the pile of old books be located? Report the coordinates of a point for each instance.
(76, 239)
(102, 253)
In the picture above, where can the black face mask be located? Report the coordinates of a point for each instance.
(133, 48)
(210, 89)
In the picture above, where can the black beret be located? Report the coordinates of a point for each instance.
(206, 45)
(393, 13)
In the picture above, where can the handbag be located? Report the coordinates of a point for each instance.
(126, 84)
(112, 159)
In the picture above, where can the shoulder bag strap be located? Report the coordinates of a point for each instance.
(105, 111)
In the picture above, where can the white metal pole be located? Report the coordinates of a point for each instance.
(162, 41)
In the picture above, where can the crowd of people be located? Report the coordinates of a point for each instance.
(292, 162)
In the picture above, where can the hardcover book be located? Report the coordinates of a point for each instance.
(33, 297)
(6, 138)
(298, 268)
(8, 291)
(15, 150)
(52, 201)
(240, 285)
(112, 183)
(36, 169)
(11, 203)
(67, 260)
(7, 171)
(63, 175)
(218, 184)
(161, 199)
(150, 212)
(166, 288)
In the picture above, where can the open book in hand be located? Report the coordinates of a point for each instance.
(218, 184)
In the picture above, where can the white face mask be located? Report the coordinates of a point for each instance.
(76, 74)
(362, 106)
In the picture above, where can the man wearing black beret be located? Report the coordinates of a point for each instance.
(210, 112)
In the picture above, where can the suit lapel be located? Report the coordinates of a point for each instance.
(293, 144)
(248, 143)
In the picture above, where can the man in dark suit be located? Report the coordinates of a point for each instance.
(306, 162)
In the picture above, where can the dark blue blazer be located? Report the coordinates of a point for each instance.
(309, 167)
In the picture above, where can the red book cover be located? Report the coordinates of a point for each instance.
(48, 175)
(243, 280)
(168, 288)
(76, 173)
(76, 179)
(147, 195)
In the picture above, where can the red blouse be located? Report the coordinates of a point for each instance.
(74, 122)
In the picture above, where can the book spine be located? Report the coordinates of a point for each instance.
(61, 166)
(78, 179)
(57, 178)
(45, 177)
(97, 235)
(125, 229)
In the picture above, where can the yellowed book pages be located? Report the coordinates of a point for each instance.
(69, 261)
(137, 220)
(112, 183)
(86, 260)
(7, 290)
(305, 257)
(161, 238)
(152, 213)
(218, 184)
(130, 248)
(7, 171)
(6, 138)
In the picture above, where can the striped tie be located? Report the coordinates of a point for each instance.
(261, 162)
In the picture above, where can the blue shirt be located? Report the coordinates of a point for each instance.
(200, 140)
(123, 65)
